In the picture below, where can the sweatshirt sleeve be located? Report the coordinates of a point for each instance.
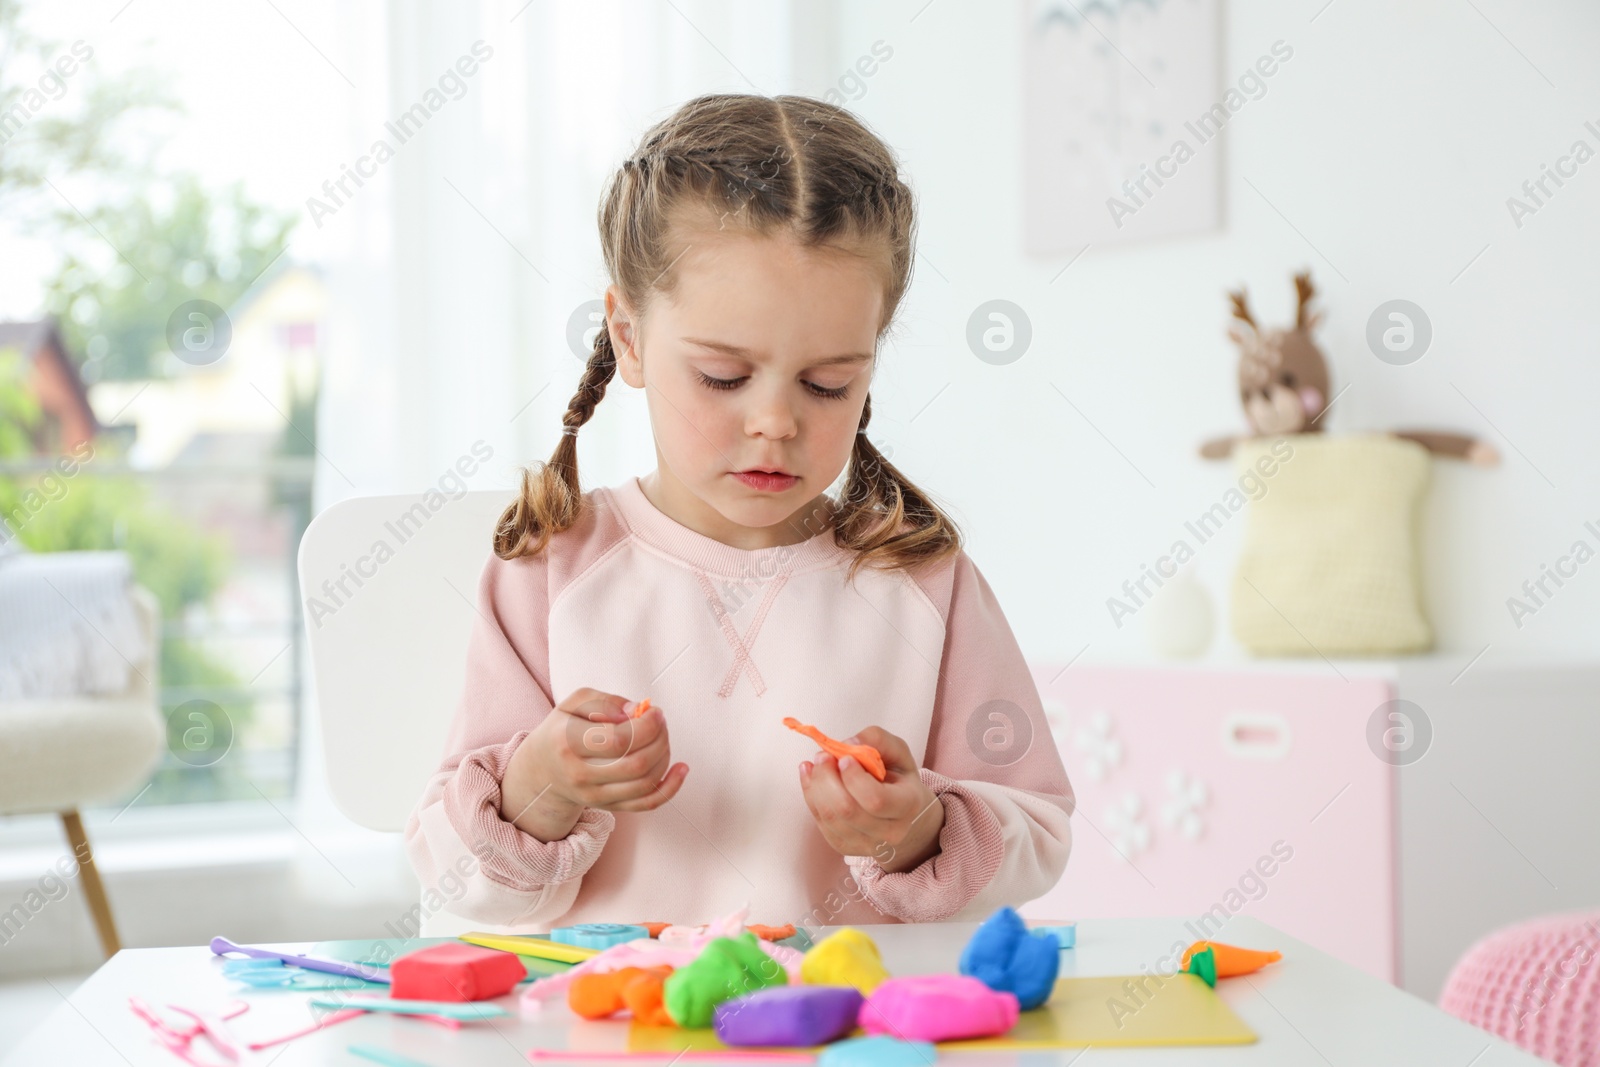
(455, 836)
(994, 766)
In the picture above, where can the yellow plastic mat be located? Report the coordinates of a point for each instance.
(1106, 1012)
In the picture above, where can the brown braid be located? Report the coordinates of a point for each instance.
(551, 499)
(882, 512)
(788, 164)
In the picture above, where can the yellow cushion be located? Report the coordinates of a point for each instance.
(1330, 559)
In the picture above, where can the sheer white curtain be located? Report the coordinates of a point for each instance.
(455, 267)
(461, 260)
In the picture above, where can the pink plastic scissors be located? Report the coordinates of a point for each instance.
(180, 1040)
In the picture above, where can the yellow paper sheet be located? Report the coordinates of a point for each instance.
(1181, 1010)
(541, 948)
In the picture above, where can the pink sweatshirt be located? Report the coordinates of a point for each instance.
(728, 641)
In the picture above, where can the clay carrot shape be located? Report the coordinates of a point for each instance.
(1230, 960)
(869, 758)
(643, 706)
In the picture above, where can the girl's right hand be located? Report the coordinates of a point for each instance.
(587, 753)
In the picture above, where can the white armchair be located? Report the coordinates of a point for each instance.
(60, 754)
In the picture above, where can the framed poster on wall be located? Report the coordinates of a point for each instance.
(1122, 114)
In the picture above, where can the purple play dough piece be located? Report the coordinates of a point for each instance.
(788, 1015)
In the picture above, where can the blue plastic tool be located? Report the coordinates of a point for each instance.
(597, 935)
(879, 1050)
(468, 1012)
(1066, 934)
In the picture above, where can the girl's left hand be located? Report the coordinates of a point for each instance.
(895, 821)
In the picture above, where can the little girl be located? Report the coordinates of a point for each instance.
(758, 249)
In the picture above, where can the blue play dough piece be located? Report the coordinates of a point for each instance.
(597, 935)
(1005, 956)
(880, 1050)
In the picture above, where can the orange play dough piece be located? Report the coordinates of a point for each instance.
(643, 997)
(771, 933)
(866, 755)
(654, 928)
(639, 709)
(596, 996)
(1232, 961)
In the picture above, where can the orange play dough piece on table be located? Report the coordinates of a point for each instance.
(866, 755)
(643, 996)
(1232, 961)
(596, 996)
(771, 933)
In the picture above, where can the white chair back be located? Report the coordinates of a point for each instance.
(389, 589)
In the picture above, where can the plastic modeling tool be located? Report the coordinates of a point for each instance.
(222, 946)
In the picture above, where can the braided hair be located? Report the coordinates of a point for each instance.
(767, 164)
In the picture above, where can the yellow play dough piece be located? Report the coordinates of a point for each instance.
(845, 957)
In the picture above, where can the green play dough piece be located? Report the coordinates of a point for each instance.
(1204, 963)
(726, 968)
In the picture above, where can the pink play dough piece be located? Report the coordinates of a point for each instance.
(938, 1007)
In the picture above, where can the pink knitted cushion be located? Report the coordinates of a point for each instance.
(1536, 984)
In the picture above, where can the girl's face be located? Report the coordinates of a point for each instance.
(758, 362)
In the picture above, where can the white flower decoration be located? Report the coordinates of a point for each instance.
(1101, 752)
(1126, 827)
(1182, 810)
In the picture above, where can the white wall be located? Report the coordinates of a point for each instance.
(1391, 142)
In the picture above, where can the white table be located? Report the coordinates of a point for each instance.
(1307, 1009)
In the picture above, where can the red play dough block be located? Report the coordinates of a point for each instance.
(454, 972)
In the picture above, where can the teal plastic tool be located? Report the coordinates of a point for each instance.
(597, 935)
(266, 974)
(384, 1056)
(1066, 934)
(469, 1012)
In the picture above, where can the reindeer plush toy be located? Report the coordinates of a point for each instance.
(1283, 384)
